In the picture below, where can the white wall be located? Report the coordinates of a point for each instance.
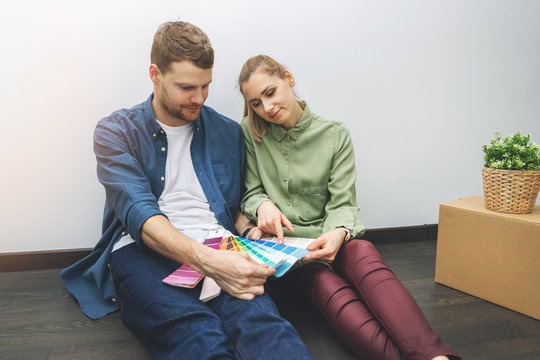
(420, 84)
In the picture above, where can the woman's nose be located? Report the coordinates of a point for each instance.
(268, 106)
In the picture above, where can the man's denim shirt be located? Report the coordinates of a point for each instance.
(131, 152)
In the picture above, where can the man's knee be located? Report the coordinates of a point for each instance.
(178, 329)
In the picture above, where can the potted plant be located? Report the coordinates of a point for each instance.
(511, 174)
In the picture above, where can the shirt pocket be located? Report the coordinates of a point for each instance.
(312, 202)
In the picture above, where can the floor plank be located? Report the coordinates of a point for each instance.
(40, 320)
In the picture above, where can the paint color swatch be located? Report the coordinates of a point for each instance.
(265, 251)
(292, 253)
(185, 276)
(301, 243)
(257, 253)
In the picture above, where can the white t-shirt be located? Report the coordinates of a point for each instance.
(182, 199)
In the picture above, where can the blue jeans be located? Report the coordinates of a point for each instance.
(174, 324)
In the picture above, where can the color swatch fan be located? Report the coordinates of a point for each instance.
(288, 251)
(264, 251)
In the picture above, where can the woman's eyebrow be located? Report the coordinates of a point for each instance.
(262, 92)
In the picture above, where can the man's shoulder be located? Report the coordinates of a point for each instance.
(133, 114)
(125, 120)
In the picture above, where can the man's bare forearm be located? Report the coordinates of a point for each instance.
(238, 275)
(162, 237)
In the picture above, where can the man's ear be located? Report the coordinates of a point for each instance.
(155, 74)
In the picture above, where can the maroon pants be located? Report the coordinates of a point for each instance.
(367, 306)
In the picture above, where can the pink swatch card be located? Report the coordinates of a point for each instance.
(185, 276)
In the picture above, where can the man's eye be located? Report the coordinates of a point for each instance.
(270, 93)
(255, 104)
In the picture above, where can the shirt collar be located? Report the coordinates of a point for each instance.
(305, 120)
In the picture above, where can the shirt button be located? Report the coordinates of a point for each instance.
(161, 131)
(113, 299)
(162, 149)
(285, 153)
(162, 178)
(288, 204)
(123, 233)
(285, 179)
(154, 134)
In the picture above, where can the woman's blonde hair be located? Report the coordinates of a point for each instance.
(257, 125)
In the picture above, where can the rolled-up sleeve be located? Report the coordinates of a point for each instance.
(119, 169)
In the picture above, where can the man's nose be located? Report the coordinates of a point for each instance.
(198, 97)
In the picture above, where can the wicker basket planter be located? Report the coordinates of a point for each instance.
(510, 191)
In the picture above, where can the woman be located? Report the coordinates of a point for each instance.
(301, 175)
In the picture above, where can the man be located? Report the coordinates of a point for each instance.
(173, 171)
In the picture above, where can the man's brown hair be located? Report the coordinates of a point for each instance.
(178, 41)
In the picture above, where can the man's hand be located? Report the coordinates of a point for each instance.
(326, 246)
(270, 220)
(236, 273)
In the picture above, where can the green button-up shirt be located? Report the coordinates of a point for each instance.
(308, 172)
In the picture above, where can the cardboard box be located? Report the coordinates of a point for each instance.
(491, 255)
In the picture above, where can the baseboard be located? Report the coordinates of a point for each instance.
(56, 259)
(40, 260)
(402, 234)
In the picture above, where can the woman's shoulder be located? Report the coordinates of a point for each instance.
(245, 122)
(323, 121)
(248, 137)
(340, 135)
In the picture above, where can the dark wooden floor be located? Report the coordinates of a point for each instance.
(40, 320)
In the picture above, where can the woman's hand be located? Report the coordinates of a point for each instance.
(255, 233)
(242, 224)
(326, 246)
(270, 220)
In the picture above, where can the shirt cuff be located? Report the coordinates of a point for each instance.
(251, 205)
(344, 218)
(137, 215)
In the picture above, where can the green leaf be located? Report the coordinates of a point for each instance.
(513, 152)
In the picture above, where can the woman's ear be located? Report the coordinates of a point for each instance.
(290, 78)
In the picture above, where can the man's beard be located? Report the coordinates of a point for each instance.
(177, 111)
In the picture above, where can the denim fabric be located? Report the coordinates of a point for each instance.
(130, 149)
(174, 324)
